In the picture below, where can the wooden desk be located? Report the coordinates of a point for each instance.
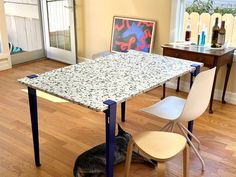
(210, 58)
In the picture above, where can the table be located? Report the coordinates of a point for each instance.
(103, 83)
(210, 58)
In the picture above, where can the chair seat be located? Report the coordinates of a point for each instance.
(159, 145)
(169, 108)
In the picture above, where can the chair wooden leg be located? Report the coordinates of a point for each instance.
(161, 169)
(186, 161)
(129, 157)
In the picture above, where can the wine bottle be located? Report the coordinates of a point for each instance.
(188, 31)
(215, 33)
(221, 36)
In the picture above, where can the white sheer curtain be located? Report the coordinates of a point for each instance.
(177, 19)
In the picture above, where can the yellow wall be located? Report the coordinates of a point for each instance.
(95, 35)
(94, 26)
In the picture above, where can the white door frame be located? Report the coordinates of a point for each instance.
(5, 58)
(61, 55)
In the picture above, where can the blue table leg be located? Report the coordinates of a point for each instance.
(34, 123)
(123, 107)
(193, 74)
(110, 136)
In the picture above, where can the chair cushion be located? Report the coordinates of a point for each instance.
(160, 145)
(169, 108)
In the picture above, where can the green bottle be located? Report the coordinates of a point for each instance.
(215, 33)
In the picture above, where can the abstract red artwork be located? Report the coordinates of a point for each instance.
(133, 34)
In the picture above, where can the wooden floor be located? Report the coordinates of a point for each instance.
(66, 130)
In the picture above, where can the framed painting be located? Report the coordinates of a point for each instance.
(135, 34)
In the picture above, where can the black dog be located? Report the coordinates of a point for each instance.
(92, 163)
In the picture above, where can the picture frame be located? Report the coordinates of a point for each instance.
(132, 34)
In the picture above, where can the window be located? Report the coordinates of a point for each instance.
(202, 14)
(23, 25)
(177, 18)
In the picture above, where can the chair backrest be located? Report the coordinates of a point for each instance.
(199, 96)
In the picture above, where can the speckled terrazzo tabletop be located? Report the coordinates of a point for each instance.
(118, 77)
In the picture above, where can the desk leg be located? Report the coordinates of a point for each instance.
(178, 83)
(110, 136)
(193, 74)
(123, 107)
(190, 128)
(190, 123)
(164, 91)
(213, 91)
(34, 123)
(226, 81)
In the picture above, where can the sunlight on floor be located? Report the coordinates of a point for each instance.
(47, 96)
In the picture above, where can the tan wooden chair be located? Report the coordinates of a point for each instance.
(161, 147)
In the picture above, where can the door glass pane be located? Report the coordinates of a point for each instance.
(23, 26)
(59, 23)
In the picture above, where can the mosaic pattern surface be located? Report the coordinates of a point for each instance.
(118, 77)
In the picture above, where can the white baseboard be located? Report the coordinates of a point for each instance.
(5, 62)
(230, 97)
(4, 65)
(81, 59)
(27, 56)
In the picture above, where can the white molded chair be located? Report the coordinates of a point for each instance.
(178, 110)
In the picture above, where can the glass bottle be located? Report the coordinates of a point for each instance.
(188, 31)
(215, 33)
(221, 36)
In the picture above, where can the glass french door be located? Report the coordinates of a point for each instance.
(59, 30)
